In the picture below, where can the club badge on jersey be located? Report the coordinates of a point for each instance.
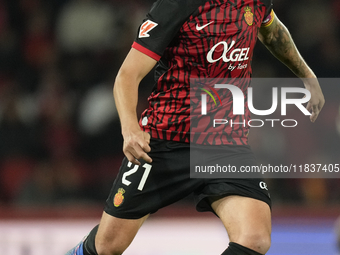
(119, 198)
(248, 16)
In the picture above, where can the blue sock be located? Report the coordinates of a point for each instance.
(86, 246)
(79, 251)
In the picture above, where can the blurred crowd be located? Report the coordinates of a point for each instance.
(60, 138)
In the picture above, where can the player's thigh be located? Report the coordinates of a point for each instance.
(141, 190)
(115, 234)
(247, 220)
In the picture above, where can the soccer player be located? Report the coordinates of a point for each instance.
(188, 39)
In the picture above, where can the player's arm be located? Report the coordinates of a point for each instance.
(134, 68)
(276, 37)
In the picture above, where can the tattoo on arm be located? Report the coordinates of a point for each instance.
(278, 40)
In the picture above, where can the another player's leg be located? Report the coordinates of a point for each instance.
(112, 237)
(248, 223)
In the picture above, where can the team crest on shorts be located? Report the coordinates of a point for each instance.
(119, 198)
(248, 16)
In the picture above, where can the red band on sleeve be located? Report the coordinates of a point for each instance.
(146, 51)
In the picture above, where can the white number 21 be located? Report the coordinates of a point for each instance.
(147, 168)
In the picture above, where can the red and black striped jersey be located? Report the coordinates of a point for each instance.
(198, 42)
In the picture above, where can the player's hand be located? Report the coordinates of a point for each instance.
(317, 99)
(136, 146)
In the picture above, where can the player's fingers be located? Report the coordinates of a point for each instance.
(315, 113)
(131, 158)
(147, 158)
(139, 153)
(309, 106)
(145, 143)
(321, 104)
(145, 147)
(133, 152)
(147, 137)
(142, 152)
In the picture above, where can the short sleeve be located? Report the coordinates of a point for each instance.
(161, 25)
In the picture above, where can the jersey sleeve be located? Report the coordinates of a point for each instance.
(162, 23)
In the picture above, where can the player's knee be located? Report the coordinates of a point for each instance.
(108, 248)
(104, 250)
(259, 242)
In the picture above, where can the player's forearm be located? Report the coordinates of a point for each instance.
(280, 43)
(125, 93)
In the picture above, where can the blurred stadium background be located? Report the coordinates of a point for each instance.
(60, 141)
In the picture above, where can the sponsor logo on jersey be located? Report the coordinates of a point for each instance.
(201, 27)
(248, 16)
(263, 185)
(238, 54)
(145, 28)
(119, 198)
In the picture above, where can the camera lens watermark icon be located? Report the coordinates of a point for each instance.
(204, 99)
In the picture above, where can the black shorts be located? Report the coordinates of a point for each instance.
(140, 190)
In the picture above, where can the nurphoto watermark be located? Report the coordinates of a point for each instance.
(267, 117)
